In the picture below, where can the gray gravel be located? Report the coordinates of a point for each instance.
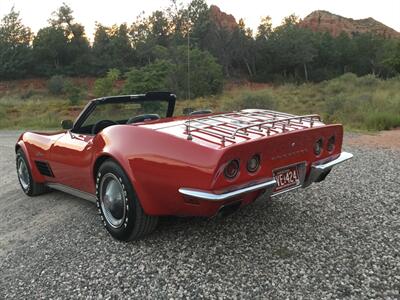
(336, 239)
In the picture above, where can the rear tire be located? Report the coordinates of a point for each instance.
(24, 173)
(119, 206)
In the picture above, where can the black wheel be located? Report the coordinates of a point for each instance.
(28, 185)
(119, 206)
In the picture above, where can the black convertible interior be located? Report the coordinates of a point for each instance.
(128, 109)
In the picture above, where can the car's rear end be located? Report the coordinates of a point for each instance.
(262, 152)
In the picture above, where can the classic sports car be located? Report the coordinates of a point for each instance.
(138, 166)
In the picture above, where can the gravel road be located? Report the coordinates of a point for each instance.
(336, 239)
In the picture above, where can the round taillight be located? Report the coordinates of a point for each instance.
(331, 143)
(231, 169)
(318, 147)
(253, 163)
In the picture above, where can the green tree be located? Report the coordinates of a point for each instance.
(78, 49)
(292, 48)
(112, 48)
(393, 59)
(146, 33)
(264, 30)
(50, 51)
(243, 54)
(170, 72)
(346, 49)
(15, 50)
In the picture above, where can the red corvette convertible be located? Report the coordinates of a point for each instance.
(137, 165)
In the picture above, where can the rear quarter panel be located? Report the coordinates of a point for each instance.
(158, 164)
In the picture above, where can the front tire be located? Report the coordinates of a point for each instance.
(119, 206)
(28, 184)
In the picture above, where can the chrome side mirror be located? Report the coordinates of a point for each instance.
(67, 124)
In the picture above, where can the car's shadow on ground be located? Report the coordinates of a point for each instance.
(265, 215)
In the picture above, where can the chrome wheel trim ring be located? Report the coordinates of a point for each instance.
(23, 173)
(112, 200)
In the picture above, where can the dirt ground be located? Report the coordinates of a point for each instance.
(383, 139)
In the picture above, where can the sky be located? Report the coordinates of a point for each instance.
(36, 13)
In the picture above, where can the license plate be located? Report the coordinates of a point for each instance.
(286, 178)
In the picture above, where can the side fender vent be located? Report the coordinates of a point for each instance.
(44, 168)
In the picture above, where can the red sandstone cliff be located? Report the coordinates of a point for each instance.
(321, 20)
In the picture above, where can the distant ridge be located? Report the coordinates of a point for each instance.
(324, 21)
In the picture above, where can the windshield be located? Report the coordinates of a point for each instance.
(122, 112)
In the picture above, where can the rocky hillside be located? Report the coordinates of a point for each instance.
(321, 20)
(222, 19)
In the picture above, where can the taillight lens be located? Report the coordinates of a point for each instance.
(231, 169)
(253, 163)
(331, 143)
(318, 147)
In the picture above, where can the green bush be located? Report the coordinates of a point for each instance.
(27, 94)
(105, 86)
(152, 77)
(381, 121)
(260, 99)
(368, 81)
(73, 92)
(56, 84)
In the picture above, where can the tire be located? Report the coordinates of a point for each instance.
(26, 181)
(119, 206)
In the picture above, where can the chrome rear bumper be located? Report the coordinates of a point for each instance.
(318, 170)
(205, 195)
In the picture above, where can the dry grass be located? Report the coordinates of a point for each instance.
(364, 103)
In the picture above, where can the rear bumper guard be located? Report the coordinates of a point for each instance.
(318, 172)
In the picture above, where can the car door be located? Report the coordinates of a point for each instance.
(71, 160)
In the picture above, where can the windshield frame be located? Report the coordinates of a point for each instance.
(151, 96)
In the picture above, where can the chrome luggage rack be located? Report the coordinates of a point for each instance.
(227, 127)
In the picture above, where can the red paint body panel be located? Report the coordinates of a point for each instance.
(159, 160)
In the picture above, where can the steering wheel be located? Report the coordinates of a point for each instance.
(100, 125)
(142, 118)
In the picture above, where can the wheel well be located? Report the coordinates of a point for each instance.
(98, 163)
(17, 147)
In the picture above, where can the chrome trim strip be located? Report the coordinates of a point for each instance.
(205, 195)
(72, 191)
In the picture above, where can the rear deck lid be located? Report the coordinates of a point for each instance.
(223, 130)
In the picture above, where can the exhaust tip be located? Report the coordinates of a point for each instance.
(323, 176)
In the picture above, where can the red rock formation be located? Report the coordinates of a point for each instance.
(222, 19)
(321, 20)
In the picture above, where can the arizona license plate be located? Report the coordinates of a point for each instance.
(286, 178)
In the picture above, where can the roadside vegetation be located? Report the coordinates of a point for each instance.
(350, 78)
(360, 103)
